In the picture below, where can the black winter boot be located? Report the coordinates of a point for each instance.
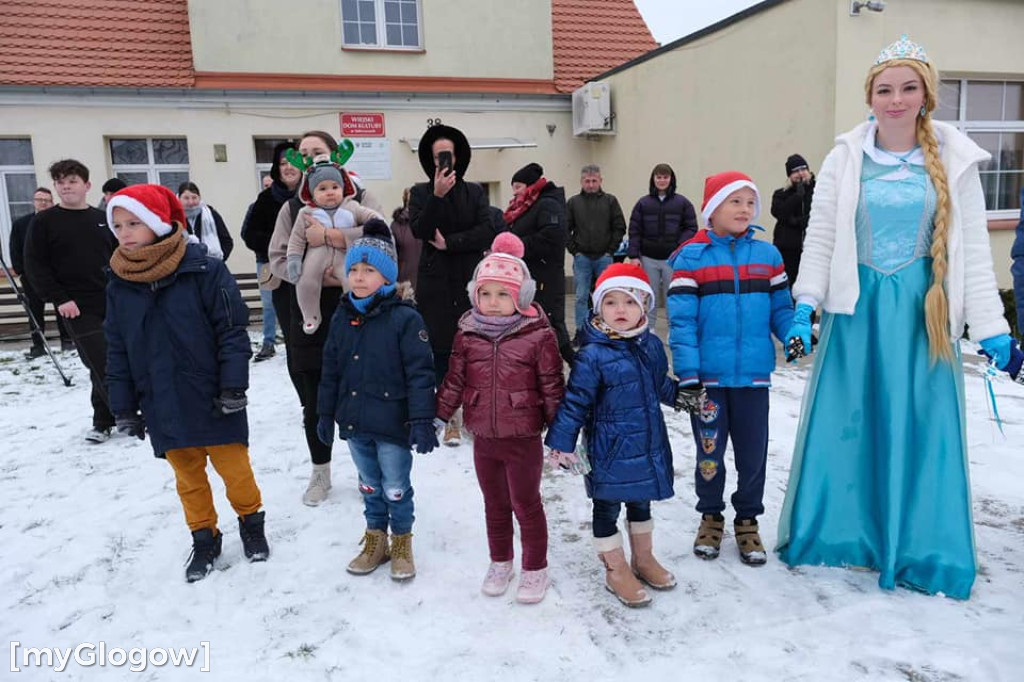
(254, 542)
(205, 548)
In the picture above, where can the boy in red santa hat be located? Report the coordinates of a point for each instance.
(178, 364)
(728, 295)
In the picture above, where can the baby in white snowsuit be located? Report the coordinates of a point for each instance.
(328, 194)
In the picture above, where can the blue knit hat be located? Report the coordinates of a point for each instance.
(375, 248)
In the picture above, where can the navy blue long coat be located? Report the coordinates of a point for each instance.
(614, 392)
(173, 346)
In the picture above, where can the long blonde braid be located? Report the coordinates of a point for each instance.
(936, 304)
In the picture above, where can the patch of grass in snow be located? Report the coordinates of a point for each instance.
(304, 652)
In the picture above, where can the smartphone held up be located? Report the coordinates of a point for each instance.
(444, 162)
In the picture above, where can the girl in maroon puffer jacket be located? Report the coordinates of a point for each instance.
(506, 372)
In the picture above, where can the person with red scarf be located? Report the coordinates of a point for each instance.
(536, 215)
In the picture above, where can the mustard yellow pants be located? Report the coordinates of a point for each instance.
(232, 463)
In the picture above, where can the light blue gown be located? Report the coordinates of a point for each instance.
(879, 475)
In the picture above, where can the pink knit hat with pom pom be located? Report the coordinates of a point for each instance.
(504, 265)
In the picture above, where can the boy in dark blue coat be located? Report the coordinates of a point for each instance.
(619, 379)
(377, 384)
(178, 364)
(729, 294)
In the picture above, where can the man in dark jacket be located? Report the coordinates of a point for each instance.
(452, 219)
(791, 207)
(66, 258)
(537, 216)
(660, 222)
(596, 226)
(42, 199)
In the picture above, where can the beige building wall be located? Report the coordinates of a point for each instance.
(512, 39)
(743, 98)
(230, 186)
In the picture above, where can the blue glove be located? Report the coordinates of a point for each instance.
(422, 435)
(798, 338)
(325, 429)
(294, 268)
(1015, 356)
(997, 348)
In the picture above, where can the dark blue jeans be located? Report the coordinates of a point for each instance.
(585, 271)
(739, 414)
(606, 516)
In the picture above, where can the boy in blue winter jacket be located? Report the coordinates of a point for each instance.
(178, 364)
(377, 384)
(729, 294)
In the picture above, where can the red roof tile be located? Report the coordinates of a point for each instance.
(96, 43)
(593, 36)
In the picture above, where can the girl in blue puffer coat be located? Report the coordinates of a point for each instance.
(619, 379)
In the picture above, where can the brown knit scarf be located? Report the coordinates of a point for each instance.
(152, 262)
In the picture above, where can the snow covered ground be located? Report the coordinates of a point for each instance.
(93, 541)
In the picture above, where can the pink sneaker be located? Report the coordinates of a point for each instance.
(533, 585)
(498, 578)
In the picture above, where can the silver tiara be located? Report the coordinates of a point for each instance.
(904, 48)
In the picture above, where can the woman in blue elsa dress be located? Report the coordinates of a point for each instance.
(897, 254)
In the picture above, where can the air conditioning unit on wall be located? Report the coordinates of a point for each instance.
(592, 110)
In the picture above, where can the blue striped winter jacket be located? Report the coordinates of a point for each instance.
(728, 296)
(614, 392)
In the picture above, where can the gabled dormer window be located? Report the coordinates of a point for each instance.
(382, 24)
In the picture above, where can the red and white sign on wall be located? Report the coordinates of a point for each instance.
(362, 124)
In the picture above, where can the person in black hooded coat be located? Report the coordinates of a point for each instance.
(452, 219)
(537, 216)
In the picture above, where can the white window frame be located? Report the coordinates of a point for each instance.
(152, 169)
(381, 44)
(5, 207)
(969, 126)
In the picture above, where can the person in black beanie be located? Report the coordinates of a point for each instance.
(791, 207)
(536, 215)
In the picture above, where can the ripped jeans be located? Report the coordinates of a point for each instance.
(384, 470)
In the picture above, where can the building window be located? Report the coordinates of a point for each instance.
(157, 160)
(992, 114)
(17, 185)
(389, 24)
(265, 156)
